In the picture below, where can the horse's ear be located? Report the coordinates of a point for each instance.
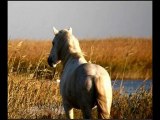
(70, 30)
(55, 31)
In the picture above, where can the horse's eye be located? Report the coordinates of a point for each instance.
(53, 43)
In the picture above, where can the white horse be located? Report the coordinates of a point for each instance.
(83, 85)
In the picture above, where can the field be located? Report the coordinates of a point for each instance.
(34, 93)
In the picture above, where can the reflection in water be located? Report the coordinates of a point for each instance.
(130, 86)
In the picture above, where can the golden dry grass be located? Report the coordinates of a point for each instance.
(39, 99)
(132, 56)
(34, 94)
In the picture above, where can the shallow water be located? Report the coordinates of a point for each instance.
(130, 86)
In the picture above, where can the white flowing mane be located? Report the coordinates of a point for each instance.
(68, 44)
(74, 46)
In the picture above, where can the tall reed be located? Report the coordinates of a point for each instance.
(33, 90)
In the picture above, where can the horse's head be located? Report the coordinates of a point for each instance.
(63, 44)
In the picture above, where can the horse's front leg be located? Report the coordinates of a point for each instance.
(68, 110)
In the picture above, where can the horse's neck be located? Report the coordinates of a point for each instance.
(75, 62)
(72, 64)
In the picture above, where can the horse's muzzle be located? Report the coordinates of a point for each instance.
(50, 62)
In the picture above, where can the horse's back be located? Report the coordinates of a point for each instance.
(91, 76)
(91, 70)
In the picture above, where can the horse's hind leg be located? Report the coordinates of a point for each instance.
(104, 99)
(68, 110)
(103, 108)
(86, 111)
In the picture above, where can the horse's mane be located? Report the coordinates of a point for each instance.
(74, 47)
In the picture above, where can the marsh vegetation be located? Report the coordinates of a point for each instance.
(33, 91)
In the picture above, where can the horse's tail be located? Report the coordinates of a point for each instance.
(104, 96)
